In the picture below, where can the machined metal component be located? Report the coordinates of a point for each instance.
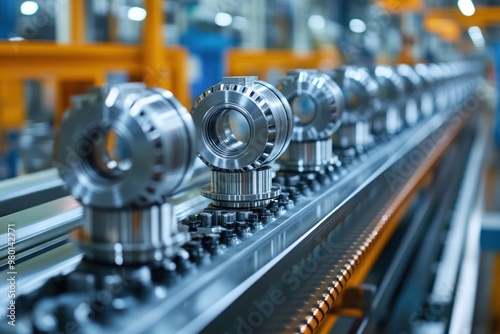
(392, 115)
(412, 86)
(126, 217)
(155, 135)
(130, 235)
(427, 96)
(360, 92)
(317, 104)
(241, 189)
(244, 125)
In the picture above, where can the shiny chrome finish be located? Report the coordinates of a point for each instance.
(412, 86)
(317, 104)
(245, 124)
(241, 189)
(427, 95)
(360, 92)
(157, 135)
(311, 156)
(126, 217)
(391, 91)
(130, 235)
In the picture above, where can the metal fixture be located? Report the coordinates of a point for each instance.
(317, 104)
(412, 87)
(244, 125)
(360, 92)
(126, 218)
(391, 116)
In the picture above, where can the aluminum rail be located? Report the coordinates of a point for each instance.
(30, 190)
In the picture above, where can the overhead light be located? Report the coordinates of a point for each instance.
(316, 22)
(466, 7)
(477, 37)
(29, 8)
(223, 19)
(136, 14)
(357, 26)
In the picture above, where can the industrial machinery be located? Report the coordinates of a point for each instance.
(282, 224)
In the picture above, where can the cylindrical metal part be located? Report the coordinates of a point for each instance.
(126, 219)
(354, 135)
(244, 123)
(391, 93)
(427, 95)
(317, 104)
(412, 87)
(360, 91)
(310, 156)
(130, 235)
(241, 189)
(316, 101)
(155, 135)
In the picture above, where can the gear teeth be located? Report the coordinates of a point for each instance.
(248, 91)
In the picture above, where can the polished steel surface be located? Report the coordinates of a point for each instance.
(412, 87)
(391, 92)
(30, 190)
(317, 104)
(130, 235)
(157, 134)
(40, 223)
(244, 123)
(241, 189)
(361, 98)
(310, 156)
(355, 135)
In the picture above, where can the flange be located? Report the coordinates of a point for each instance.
(155, 135)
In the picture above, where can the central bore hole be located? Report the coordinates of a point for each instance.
(232, 130)
(113, 158)
(304, 109)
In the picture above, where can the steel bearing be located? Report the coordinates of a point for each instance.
(244, 123)
(317, 104)
(156, 133)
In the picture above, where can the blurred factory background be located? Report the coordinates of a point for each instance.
(51, 50)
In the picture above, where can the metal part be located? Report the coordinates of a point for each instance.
(392, 115)
(241, 189)
(360, 92)
(129, 235)
(412, 86)
(310, 156)
(126, 217)
(427, 95)
(245, 124)
(156, 134)
(317, 104)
